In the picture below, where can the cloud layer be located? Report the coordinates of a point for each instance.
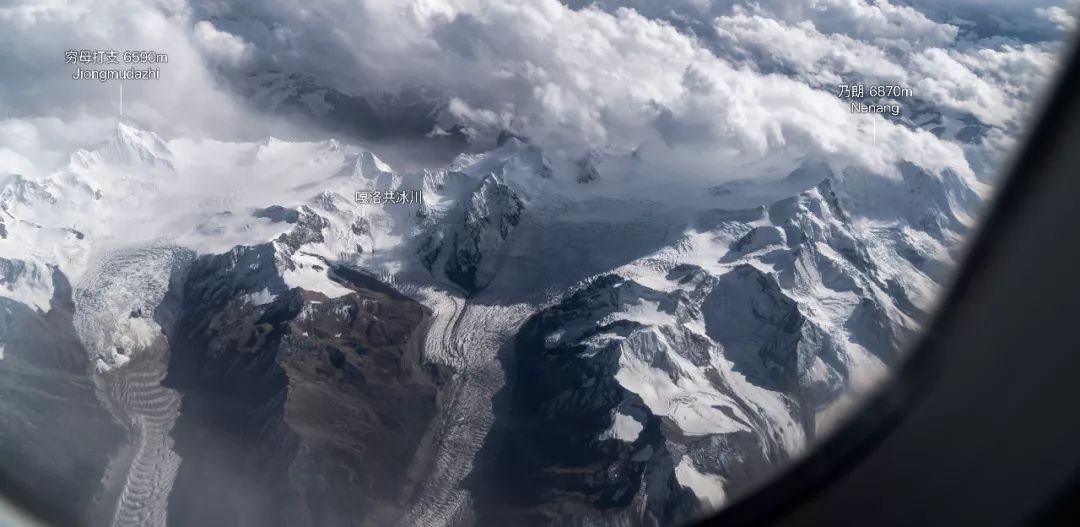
(699, 90)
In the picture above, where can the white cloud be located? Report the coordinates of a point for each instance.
(590, 78)
(800, 47)
(221, 45)
(186, 100)
(871, 21)
(572, 79)
(874, 21)
(1063, 16)
(994, 80)
(36, 146)
(12, 162)
(997, 85)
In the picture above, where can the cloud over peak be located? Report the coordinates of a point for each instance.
(700, 89)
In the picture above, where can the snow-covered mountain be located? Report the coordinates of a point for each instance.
(524, 344)
(678, 381)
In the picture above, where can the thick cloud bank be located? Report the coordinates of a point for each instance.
(697, 90)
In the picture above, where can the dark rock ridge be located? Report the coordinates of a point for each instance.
(307, 228)
(46, 396)
(544, 462)
(577, 368)
(588, 170)
(551, 460)
(473, 248)
(768, 340)
(278, 214)
(803, 230)
(298, 409)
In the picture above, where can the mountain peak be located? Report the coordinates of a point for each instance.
(127, 146)
(369, 166)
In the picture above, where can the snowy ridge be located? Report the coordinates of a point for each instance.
(469, 255)
(57, 220)
(741, 333)
(806, 257)
(28, 282)
(748, 335)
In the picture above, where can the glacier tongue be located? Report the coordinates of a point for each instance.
(122, 314)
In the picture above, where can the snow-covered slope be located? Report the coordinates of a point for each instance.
(669, 352)
(471, 251)
(715, 360)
